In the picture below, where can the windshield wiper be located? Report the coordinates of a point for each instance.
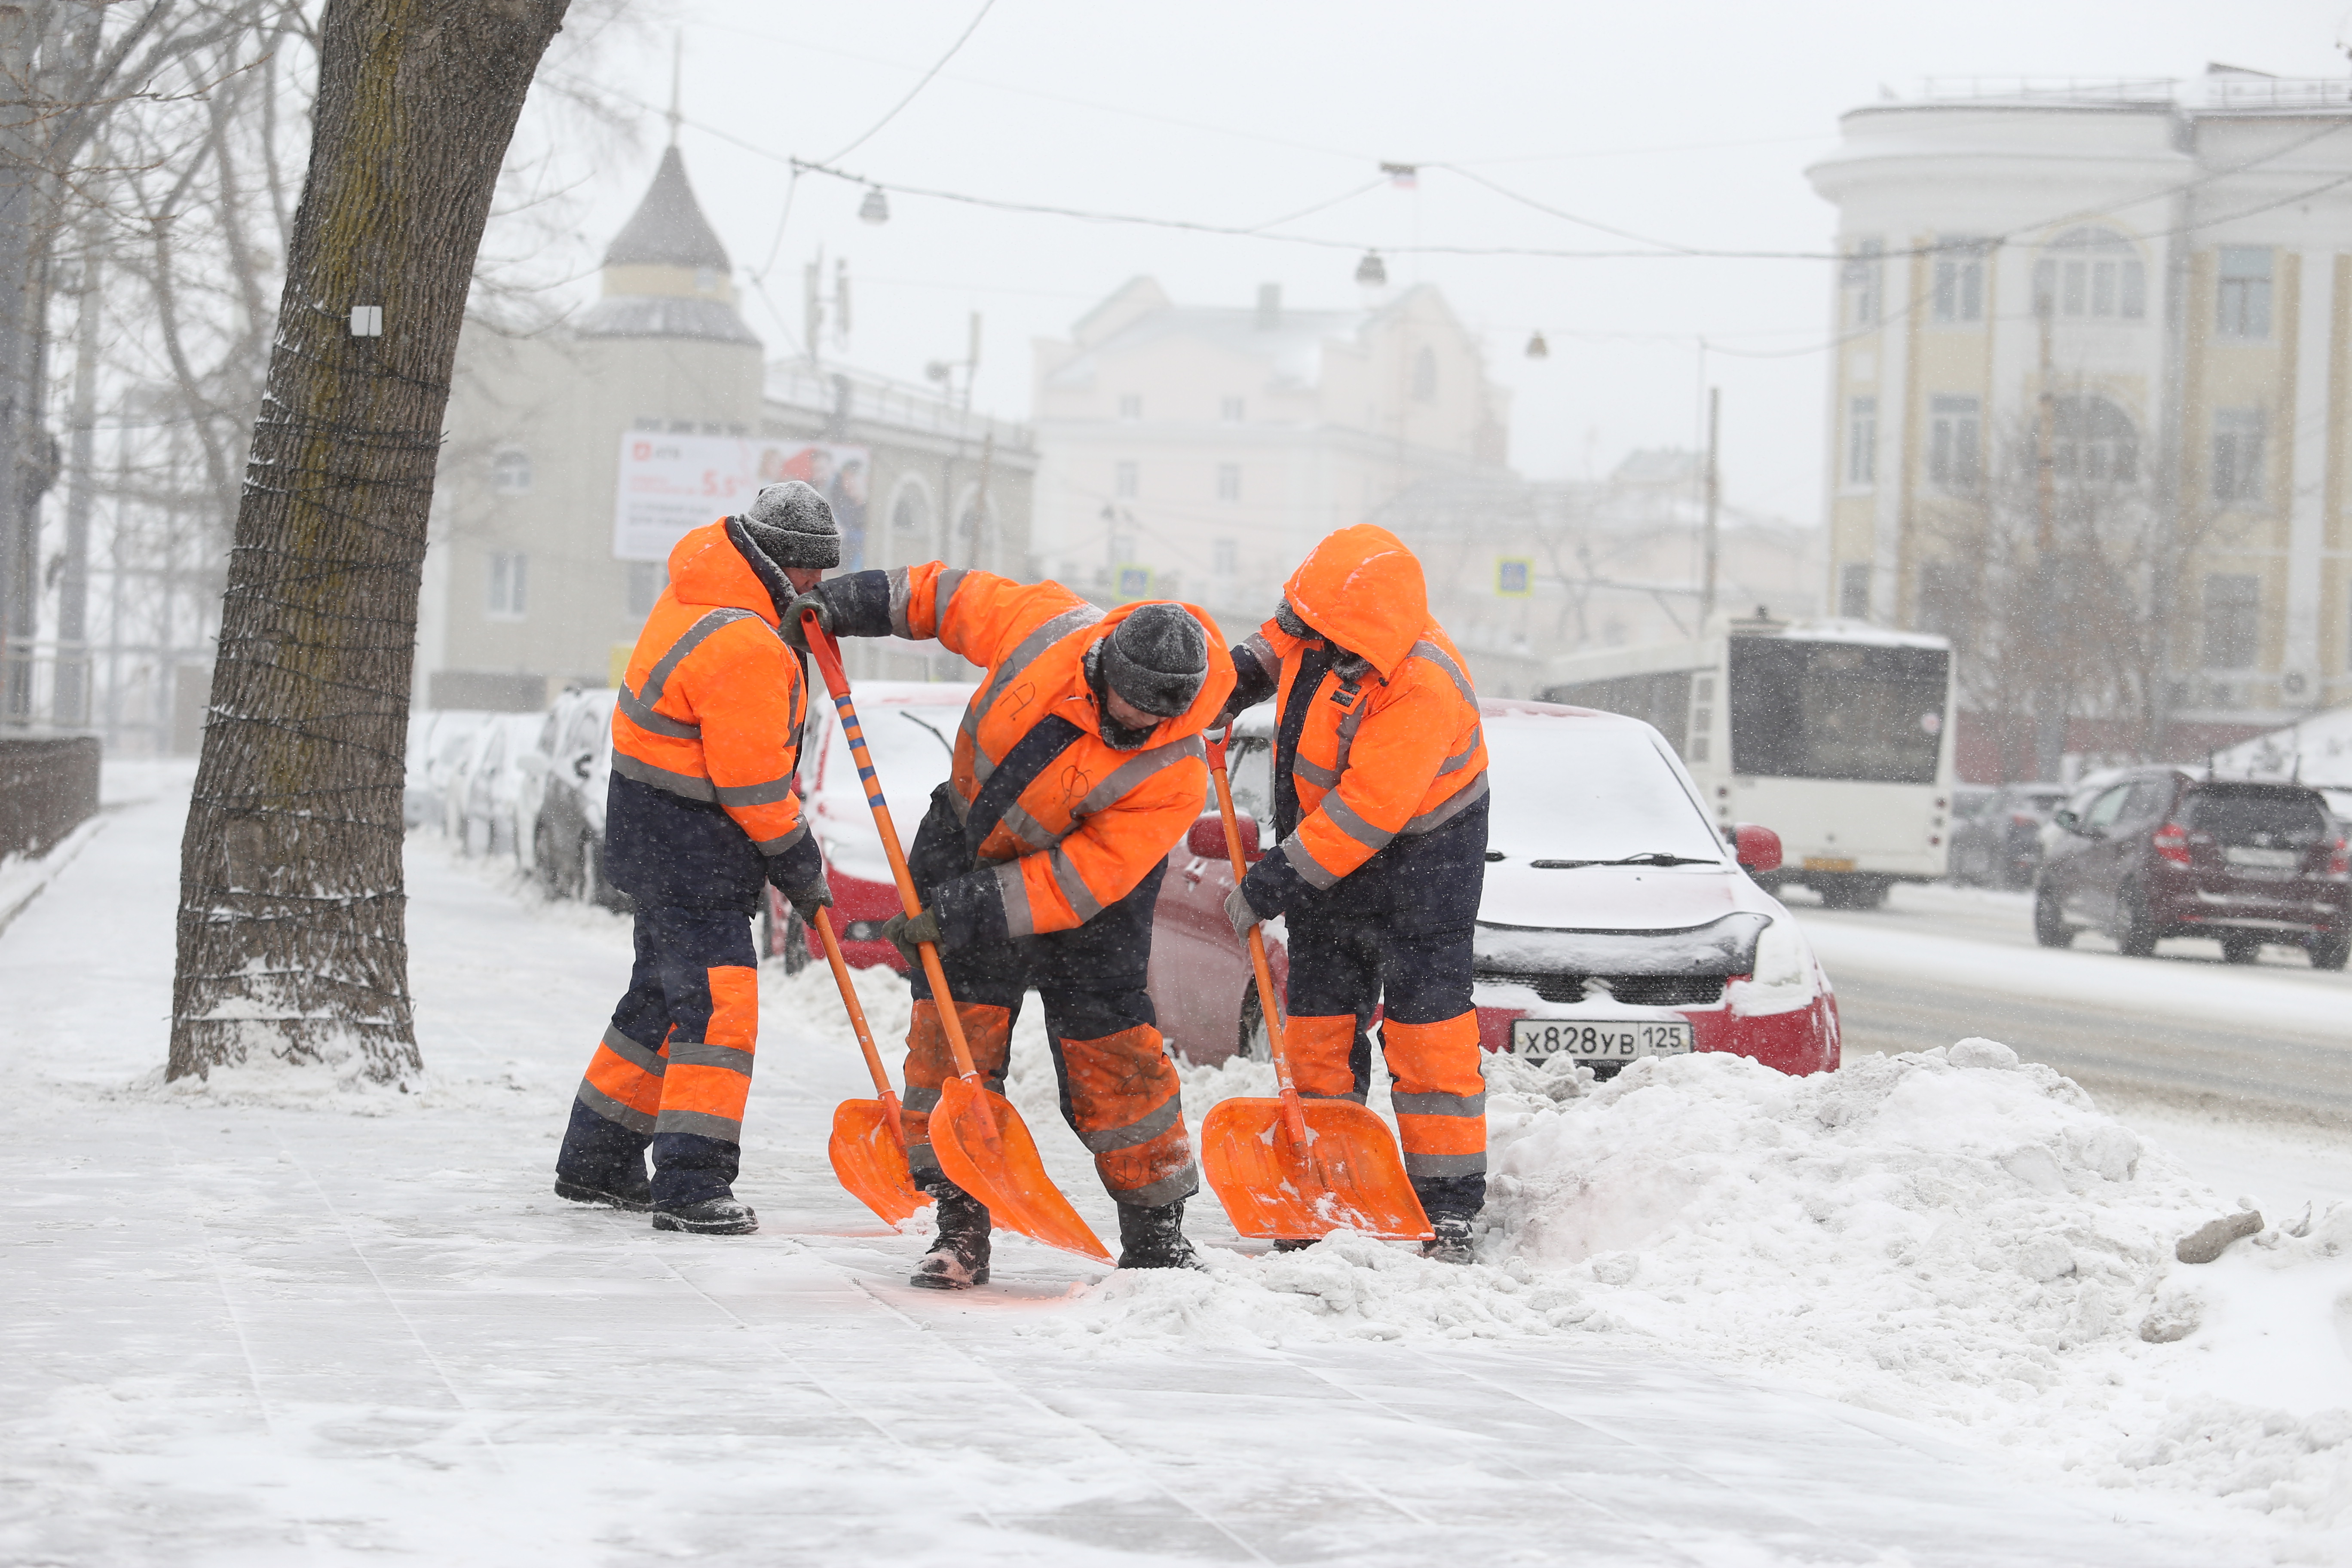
(942, 740)
(1648, 857)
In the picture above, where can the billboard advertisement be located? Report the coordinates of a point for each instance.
(669, 484)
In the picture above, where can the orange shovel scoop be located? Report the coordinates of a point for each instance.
(980, 1139)
(868, 1147)
(1296, 1169)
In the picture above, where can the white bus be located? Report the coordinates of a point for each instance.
(1836, 735)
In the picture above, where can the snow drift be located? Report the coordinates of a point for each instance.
(1948, 1236)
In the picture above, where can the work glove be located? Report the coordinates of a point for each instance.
(815, 599)
(908, 935)
(806, 902)
(1242, 913)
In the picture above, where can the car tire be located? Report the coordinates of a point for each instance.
(2329, 951)
(594, 887)
(2240, 949)
(2135, 931)
(1251, 1041)
(554, 867)
(796, 942)
(2050, 927)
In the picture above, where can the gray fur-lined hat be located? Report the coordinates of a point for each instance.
(1156, 659)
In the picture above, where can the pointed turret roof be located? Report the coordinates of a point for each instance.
(668, 228)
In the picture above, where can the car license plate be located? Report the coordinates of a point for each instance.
(1827, 863)
(1601, 1040)
(2263, 859)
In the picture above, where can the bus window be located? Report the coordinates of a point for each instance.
(1836, 709)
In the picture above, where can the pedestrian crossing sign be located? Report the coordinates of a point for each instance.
(1131, 582)
(1515, 577)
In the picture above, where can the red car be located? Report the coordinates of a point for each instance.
(911, 728)
(1615, 923)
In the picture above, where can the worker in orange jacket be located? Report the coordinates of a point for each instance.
(701, 814)
(1380, 799)
(1078, 765)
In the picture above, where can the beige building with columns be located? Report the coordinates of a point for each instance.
(2194, 246)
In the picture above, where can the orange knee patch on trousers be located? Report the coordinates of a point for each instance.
(1434, 1058)
(734, 1008)
(1318, 1048)
(987, 1034)
(623, 1082)
(1441, 1134)
(1119, 1080)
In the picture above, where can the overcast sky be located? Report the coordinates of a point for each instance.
(1690, 122)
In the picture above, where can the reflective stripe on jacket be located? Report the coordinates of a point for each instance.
(1089, 820)
(711, 705)
(1376, 746)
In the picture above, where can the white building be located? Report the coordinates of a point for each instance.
(1200, 451)
(2196, 254)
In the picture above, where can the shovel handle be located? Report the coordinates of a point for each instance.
(1293, 1118)
(836, 684)
(823, 923)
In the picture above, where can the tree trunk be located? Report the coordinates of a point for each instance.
(292, 936)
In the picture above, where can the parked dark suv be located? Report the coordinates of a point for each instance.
(1999, 844)
(2157, 853)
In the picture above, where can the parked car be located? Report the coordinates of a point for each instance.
(2000, 843)
(1616, 922)
(533, 762)
(438, 741)
(911, 728)
(568, 840)
(2154, 853)
(479, 807)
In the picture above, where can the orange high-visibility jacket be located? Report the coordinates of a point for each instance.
(1085, 829)
(1397, 748)
(710, 709)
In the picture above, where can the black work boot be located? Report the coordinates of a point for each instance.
(1154, 1237)
(958, 1259)
(1451, 1203)
(708, 1216)
(613, 1192)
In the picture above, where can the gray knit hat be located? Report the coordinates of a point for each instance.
(1156, 659)
(792, 525)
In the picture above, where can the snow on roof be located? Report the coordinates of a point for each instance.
(2317, 750)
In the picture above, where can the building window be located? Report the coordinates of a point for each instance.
(1853, 590)
(2233, 604)
(2237, 456)
(910, 514)
(510, 472)
(1945, 590)
(1130, 407)
(1229, 483)
(1425, 375)
(509, 584)
(2091, 272)
(1230, 410)
(1225, 558)
(1125, 479)
(2243, 303)
(646, 579)
(1862, 280)
(2094, 442)
(1861, 442)
(1960, 281)
(1954, 431)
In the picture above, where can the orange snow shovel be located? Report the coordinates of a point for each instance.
(868, 1147)
(1294, 1169)
(981, 1143)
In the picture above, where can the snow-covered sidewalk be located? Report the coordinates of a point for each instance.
(1728, 1319)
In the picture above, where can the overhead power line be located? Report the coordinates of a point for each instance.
(978, 18)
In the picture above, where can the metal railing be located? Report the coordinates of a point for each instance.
(879, 400)
(2109, 90)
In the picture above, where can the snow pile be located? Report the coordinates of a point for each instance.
(1948, 1236)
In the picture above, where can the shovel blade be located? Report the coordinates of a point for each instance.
(1349, 1176)
(1000, 1168)
(871, 1162)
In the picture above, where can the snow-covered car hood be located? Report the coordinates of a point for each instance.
(1622, 919)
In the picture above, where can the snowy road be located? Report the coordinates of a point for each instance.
(282, 1322)
(2182, 1025)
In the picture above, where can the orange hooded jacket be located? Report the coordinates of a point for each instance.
(711, 705)
(1385, 747)
(1085, 830)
